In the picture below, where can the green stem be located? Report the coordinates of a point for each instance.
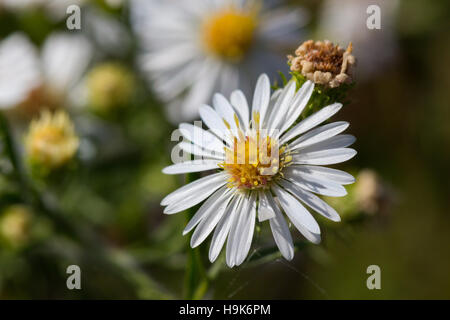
(196, 280)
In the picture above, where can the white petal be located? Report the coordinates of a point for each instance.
(213, 121)
(198, 151)
(336, 142)
(310, 236)
(261, 97)
(297, 213)
(273, 100)
(206, 185)
(169, 85)
(247, 231)
(228, 79)
(281, 107)
(319, 134)
(311, 200)
(65, 57)
(201, 90)
(192, 166)
(265, 209)
(281, 24)
(19, 69)
(280, 231)
(312, 121)
(324, 157)
(223, 228)
(170, 57)
(209, 222)
(225, 110)
(206, 208)
(201, 137)
(298, 104)
(334, 175)
(314, 183)
(239, 102)
(235, 232)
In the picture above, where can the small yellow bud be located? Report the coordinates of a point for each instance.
(15, 224)
(110, 86)
(51, 140)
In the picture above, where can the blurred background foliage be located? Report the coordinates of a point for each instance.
(103, 212)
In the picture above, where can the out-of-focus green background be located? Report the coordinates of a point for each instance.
(126, 247)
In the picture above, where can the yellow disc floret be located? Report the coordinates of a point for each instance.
(255, 161)
(51, 140)
(229, 34)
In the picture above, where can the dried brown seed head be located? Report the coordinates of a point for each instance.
(323, 62)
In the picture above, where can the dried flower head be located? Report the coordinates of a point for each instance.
(51, 140)
(323, 62)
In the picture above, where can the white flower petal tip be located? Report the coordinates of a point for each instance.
(194, 192)
(296, 212)
(311, 200)
(261, 96)
(191, 166)
(264, 215)
(312, 121)
(325, 157)
(315, 238)
(169, 210)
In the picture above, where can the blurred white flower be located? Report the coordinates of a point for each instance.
(344, 21)
(257, 184)
(20, 4)
(57, 9)
(108, 33)
(194, 48)
(36, 79)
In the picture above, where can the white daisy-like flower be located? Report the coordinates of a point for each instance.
(192, 49)
(268, 164)
(33, 79)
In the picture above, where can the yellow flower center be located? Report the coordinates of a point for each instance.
(254, 161)
(229, 34)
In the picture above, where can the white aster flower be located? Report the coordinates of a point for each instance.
(32, 79)
(242, 190)
(192, 49)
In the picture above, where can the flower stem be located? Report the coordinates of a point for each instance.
(196, 281)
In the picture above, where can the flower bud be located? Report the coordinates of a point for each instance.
(15, 224)
(51, 140)
(110, 86)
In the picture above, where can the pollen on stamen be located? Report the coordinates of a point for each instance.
(254, 162)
